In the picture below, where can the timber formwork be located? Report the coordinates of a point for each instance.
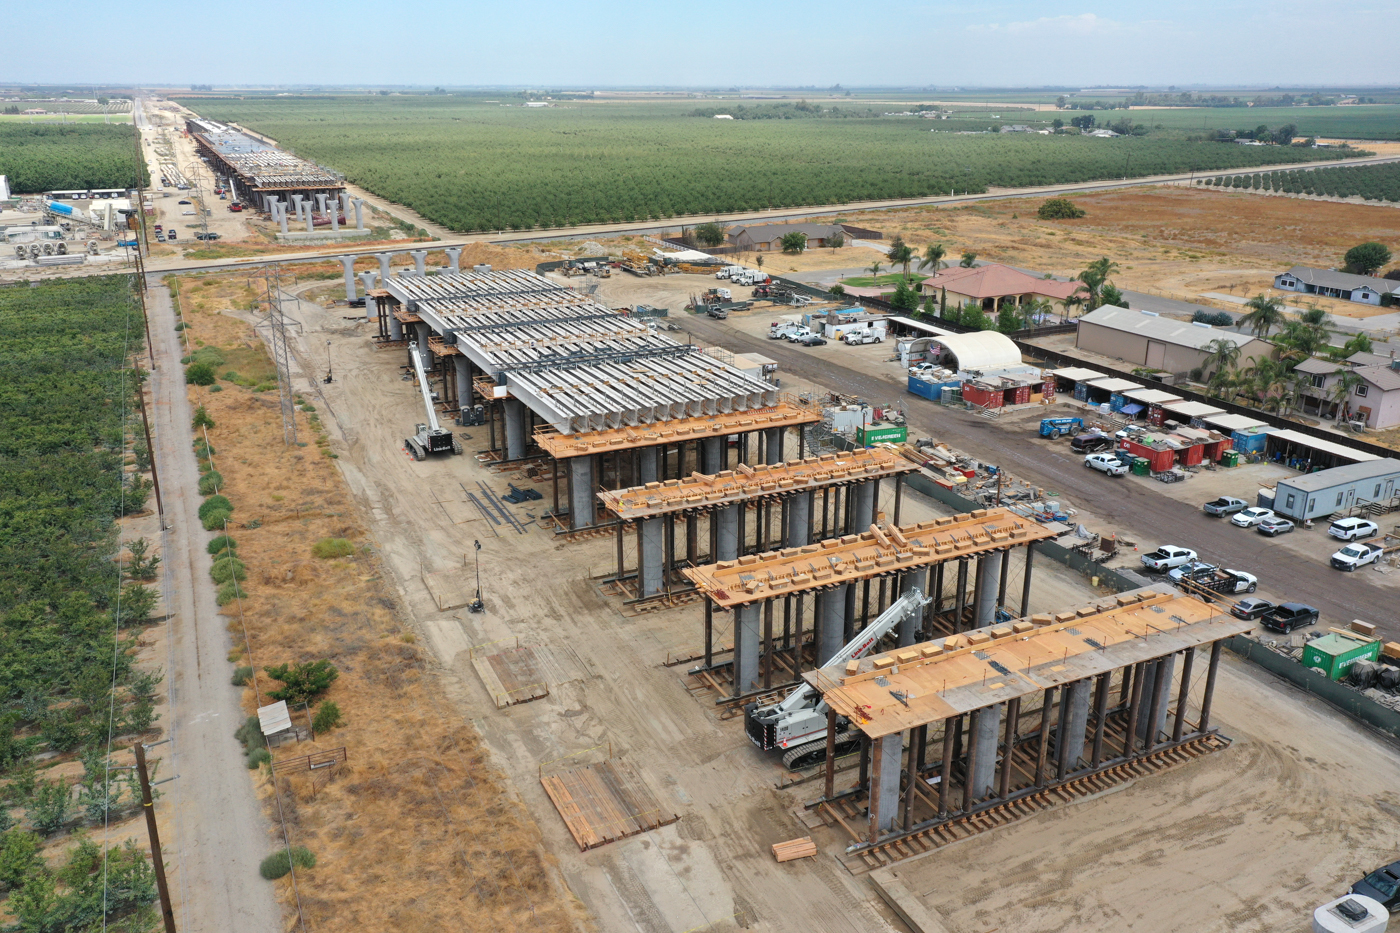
(978, 729)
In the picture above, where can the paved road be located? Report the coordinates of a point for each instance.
(221, 831)
(1136, 510)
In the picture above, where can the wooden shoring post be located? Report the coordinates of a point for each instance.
(1005, 574)
(1100, 716)
(768, 643)
(911, 775)
(1130, 741)
(945, 779)
(1026, 581)
(157, 857)
(1160, 685)
(797, 652)
(1047, 702)
(1210, 686)
(621, 524)
(692, 545)
(1013, 712)
(961, 600)
(898, 497)
(829, 788)
(709, 634)
(1188, 658)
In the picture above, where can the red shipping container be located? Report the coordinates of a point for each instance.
(1023, 395)
(1158, 460)
(1047, 390)
(1155, 415)
(977, 395)
(1190, 456)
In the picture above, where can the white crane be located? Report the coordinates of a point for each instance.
(798, 723)
(430, 438)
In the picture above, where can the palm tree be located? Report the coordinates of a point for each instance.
(933, 257)
(1074, 301)
(1315, 316)
(1341, 391)
(1299, 340)
(1094, 276)
(901, 255)
(874, 269)
(1265, 314)
(1221, 356)
(969, 259)
(1266, 376)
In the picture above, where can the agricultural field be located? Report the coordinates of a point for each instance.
(471, 164)
(69, 615)
(47, 156)
(1370, 182)
(1371, 121)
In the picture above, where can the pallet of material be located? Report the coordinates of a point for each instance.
(794, 849)
(604, 802)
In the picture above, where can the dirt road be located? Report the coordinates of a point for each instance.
(218, 834)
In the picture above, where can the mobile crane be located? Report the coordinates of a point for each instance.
(430, 438)
(798, 723)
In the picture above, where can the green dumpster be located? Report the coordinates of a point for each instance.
(1140, 466)
(1231, 458)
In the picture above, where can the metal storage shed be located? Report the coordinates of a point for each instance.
(1190, 410)
(981, 351)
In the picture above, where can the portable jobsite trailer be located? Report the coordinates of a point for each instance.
(1317, 495)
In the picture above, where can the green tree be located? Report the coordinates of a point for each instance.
(1264, 315)
(836, 240)
(1094, 277)
(709, 234)
(904, 297)
(794, 242)
(874, 269)
(1367, 258)
(837, 291)
(19, 858)
(1341, 392)
(201, 419)
(1361, 343)
(302, 682)
(1111, 296)
(200, 374)
(969, 259)
(1059, 209)
(900, 254)
(933, 258)
(1222, 356)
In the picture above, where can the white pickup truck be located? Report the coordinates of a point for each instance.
(1166, 557)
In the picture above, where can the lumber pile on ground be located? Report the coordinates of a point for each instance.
(794, 849)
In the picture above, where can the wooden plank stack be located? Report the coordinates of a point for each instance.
(794, 849)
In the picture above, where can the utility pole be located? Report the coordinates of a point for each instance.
(157, 860)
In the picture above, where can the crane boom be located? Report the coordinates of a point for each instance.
(423, 385)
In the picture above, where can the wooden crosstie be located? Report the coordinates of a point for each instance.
(604, 802)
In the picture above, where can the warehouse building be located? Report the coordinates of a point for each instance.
(1145, 338)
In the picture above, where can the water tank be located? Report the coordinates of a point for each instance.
(1351, 913)
(58, 208)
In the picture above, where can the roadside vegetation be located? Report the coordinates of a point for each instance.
(46, 156)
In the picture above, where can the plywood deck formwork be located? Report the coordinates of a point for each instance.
(786, 413)
(604, 802)
(512, 676)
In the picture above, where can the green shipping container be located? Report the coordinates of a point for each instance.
(1140, 466)
(1335, 654)
(882, 434)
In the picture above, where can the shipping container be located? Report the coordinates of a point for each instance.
(982, 395)
(1250, 442)
(1021, 395)
(1116, 402)
(1335, 654)
(931, 390)
(1081, 392)
(1155, 416)
(1158, 461)
(882, 434)
(1047, 391)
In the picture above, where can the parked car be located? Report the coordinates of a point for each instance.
(1349, 529)
(918, 369)
(1383, 885)
(1288, 616)
(184, 201)
(1250, 608)
(187, 213)
(1166, 557)
(1191, 567)
(1274, 526)
(811, 340)
(1132, 430)
(1105, 463)
(206, 236)
(1090, 443)
(170, 234)
(1251, 517)
(1357, 554)
(1225, 505)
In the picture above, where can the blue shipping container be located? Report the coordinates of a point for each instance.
(1081, 392)
(1251, 443)
(1116, 402)
(924, 389)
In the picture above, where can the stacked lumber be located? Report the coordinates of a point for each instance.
(794, 849)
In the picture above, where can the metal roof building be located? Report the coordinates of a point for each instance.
(1145, 338)
(1314, 495)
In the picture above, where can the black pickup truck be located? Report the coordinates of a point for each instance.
(1287, 617)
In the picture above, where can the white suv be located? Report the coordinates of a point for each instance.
(1349, 529)
(1105, 463)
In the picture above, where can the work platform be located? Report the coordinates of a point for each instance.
(786, 413)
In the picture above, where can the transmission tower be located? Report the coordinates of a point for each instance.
(277, 325)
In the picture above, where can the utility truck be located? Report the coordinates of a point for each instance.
(429, 438)
(798, 723)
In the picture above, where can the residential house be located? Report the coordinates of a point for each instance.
(1363, 289)
(992, 285)
(1375, 399)
(768, 238)
(1145, 338)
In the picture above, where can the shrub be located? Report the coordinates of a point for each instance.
(1213, 318)
(327, 717)
(250, 734)
(222, 544)
(214, 504)
(242, 676)
(332, 547)
(227, 569)
(19, 856)
(203, 449)
(280, 863)
(216, 388)
(201, 419)
(210, 355)
(200, 374)
(215, 520)
(1059, 209)
(229, 592)
(302, 682)
(256, 757)
(210, 482)
(135, 605)
(232, 376)
(48, 806)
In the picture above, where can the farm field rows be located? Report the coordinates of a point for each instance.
(473, 165)
(1372, 182)
(47, 156)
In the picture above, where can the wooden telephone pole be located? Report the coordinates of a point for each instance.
(157, 860)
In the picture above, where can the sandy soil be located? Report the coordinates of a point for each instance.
(1251, 838)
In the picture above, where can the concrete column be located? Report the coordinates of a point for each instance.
(296, 204)
(1074, 723)
(272, 201)
(310, 220)
(383, 266)
(462, 367)
(909, 628)
(652, 558)
(773, 446)
(514, 411)
(747, 644)
(335, 216)
(422, 332)
(348, 264)
(454, 259)
(282, 218)
(799, 525)
(986, 728)
(884, 798)
(345, 202)
(727, 540)
(649, 461)
(988, 579)
(420, 259)
(714, 454)
(359, 214)
(395, 328)
(862, 507)
(367, 279)
(1147, 731)
(581, 498)
(321, 202)
(831, 627)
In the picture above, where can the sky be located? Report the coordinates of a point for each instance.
(719, 43)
